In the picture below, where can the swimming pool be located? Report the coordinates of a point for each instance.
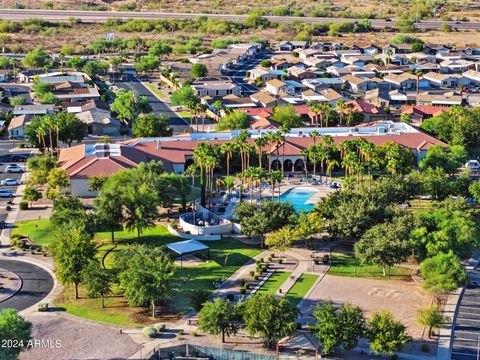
(298, 197)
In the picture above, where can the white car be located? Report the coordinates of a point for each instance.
(14, 168)
(473, 164)
(10, 182)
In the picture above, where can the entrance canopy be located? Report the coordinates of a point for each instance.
(187, 247)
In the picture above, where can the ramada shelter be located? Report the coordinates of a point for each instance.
(176, 153)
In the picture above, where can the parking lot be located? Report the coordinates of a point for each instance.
(466, 336)
(5, 159)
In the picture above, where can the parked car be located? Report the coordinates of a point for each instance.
(14, 168)
(6, 193)
(10, 182)
(472, 164)
(19, 158)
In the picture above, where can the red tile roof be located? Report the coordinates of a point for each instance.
(424, 110)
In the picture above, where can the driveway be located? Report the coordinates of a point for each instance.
(37, 284)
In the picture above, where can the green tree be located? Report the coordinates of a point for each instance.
(95, 68)
(70, 127)
(35, 59)
(448, 159)
(255, 20)
(147, 277)
(140, 206)
(72, 250)
(76, 62)
(334, 327)
(442, 273)
(58, 179)
(219, 316)
(269, 317)
(281, 239)
(235, 120)
(97, 280)
(151, 126)
(17, 100)
(13, 328)
(287, 116)
(308, 225)
(109, 209)
(474, 189)
(31, 194)
(431, 317)
(406, 25)
(386, 244)
(199, 70)
(128, 105)
(385, 334)
(95, 183)
(39, 167)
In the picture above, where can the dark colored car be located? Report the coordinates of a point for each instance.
(19, 158)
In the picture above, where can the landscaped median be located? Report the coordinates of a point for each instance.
(301, 287)
(274, 282)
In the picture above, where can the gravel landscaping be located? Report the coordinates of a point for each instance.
(78, 340)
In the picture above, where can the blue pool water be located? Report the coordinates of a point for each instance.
(298, 198)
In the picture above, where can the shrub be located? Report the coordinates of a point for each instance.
(258, 262)
(243, 282)
(194, 333)
(243, 291)
(149, 332)
(180, 332)
(252, 273)
(230, 297)
(280, 261)
(255, 277)
(325, 259)
(23, 205)
(21, 145)
(159, 327)
(180, 337)
(43, 307)
(8, 208)
(246, 286)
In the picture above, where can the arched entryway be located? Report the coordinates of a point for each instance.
(276, 165)
(288, 165)
(299, 165)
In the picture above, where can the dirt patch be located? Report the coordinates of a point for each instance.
(69, 339)
(401, 298)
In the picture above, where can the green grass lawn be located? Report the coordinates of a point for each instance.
(153, 89)
(300, 288)
(226, 256)
(274, 282)
(345, 264)
(39, 231)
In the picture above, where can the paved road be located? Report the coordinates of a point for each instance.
(466, 330)
(37, 284)
(101, 16)
(159, 107)
(239, 73)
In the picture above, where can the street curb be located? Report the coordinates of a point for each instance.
(16, 290)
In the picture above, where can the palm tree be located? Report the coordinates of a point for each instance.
(348, 162)
(217, 106)
(229, 182)
(48, 122)
(228, 148)
(202, 108)
(418, 73)
(331, 163)
(202, 152)
(315, 134)
(269, 136)
(315, 108)
(276, 177)
(367, 151)
(13, 64)
(260, 143)
(211, 163)
(278, 139)
(304, 153)
(312, 154)
(340, 107)
(325, 112)
(389, 56)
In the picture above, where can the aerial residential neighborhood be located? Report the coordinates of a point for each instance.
(240, 180)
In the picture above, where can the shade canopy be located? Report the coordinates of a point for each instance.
(187, 247)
